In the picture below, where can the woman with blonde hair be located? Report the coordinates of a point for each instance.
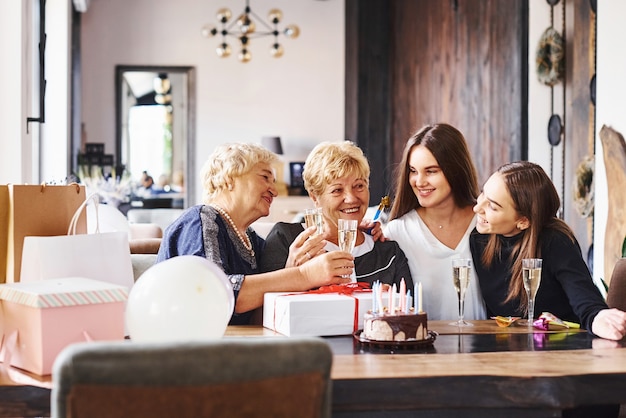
(239, 187)
(336, 176)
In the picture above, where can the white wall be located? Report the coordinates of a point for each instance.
(610, 107)
(55, 132)
(15, 144)
(299, 96)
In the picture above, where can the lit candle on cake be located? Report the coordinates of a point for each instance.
(379, 296)
(419, 297)
(407, 306)
(374, 300)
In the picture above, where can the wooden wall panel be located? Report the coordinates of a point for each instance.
(579, 111)
(462, 63)
(465, 62)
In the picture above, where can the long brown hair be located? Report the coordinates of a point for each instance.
(448, 146)
(535, 198)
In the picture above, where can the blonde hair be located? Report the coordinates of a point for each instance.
(229, 161)
(329, 161)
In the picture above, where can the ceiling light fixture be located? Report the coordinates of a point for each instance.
(245, 28)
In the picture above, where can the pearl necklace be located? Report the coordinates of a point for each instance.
(245, 239)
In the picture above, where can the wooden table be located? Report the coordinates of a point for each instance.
(481, 371)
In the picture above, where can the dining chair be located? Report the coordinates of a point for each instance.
(231, 377)
(616, 295)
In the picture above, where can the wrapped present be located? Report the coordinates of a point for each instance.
(41, 318)
(333, 310)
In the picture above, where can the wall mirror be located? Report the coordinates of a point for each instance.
(155, 132)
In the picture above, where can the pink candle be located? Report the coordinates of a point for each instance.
(402, 295)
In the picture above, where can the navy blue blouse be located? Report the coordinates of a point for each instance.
(201, 231)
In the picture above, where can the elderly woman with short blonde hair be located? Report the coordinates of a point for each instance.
(239, 187)
(336, 175)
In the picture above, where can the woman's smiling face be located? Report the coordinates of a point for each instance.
(346, 197)
(427, 179)
(495, 209)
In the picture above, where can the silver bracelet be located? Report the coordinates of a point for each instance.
(236, 280)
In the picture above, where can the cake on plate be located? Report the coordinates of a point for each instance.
(395, 327)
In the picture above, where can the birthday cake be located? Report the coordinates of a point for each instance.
(395, 327)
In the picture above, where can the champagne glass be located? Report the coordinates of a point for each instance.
(347, 230)
(531, 274)
(313, 217)
(461, 270)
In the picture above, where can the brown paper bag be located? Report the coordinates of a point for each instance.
(36, 210)
(4, 229)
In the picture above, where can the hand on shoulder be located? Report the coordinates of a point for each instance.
(373, 228)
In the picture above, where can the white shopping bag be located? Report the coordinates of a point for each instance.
(100, 256)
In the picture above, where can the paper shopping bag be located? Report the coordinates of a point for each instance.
(100, 256)
(4, 229)
(35, 210)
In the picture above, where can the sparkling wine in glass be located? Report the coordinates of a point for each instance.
(347, 230)
(313, 217)
(461, 273)
(531, 274)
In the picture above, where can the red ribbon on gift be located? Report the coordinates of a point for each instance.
(346, 289)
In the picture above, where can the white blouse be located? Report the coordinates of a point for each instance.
(430, 262)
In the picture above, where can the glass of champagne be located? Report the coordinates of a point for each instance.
(461, 273)
(313, 217)
(531, 274)
(347, 230)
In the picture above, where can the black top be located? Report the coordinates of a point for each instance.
(566, 289)
(386, 262)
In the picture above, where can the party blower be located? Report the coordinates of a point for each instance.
(384, 203)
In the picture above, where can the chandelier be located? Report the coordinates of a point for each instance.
(244, 28)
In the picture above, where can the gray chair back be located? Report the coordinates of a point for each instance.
(236, 377)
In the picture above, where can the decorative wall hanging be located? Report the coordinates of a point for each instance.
(246, 29)
(550, 67)
(555, 130)
(584, 187)
(550, 57)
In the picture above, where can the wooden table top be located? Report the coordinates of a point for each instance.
(588, 355)
(488, 367)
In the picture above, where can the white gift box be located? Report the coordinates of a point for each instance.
(315, 314)
(41, 318)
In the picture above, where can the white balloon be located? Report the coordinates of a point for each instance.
(180, 299)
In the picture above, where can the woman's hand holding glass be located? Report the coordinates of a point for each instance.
(328, 268)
